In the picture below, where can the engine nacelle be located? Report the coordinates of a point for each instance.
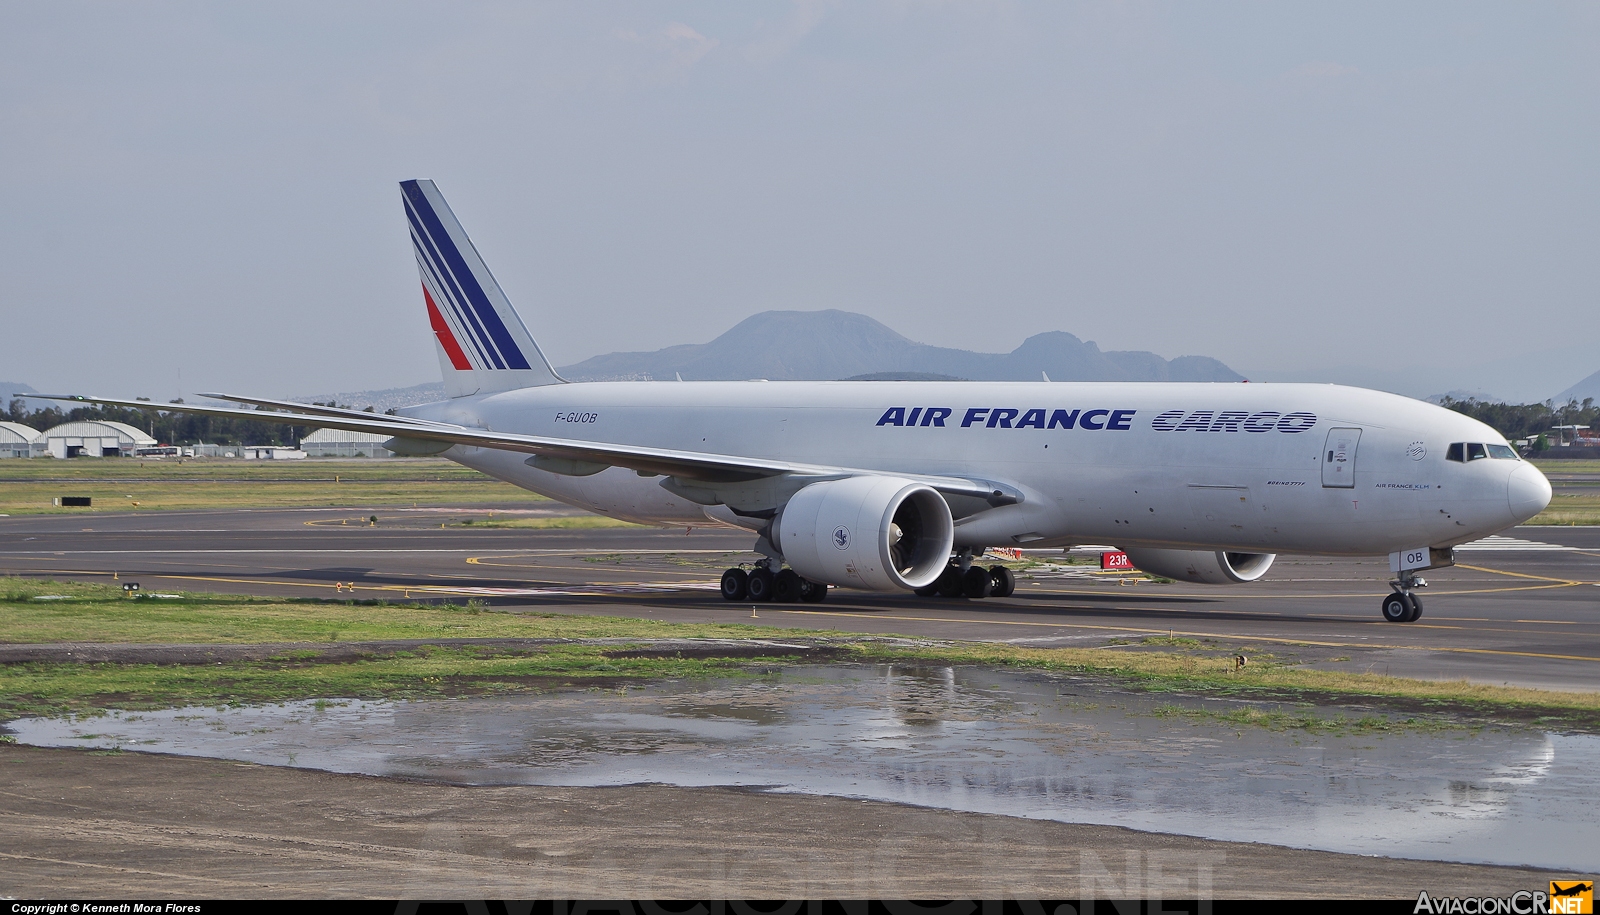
(873, 532)
(1203, 566)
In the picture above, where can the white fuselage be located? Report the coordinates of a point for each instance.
(1248, 467)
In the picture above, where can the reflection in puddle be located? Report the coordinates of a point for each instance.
(1019, 744)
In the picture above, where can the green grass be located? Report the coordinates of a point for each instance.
(1211, 672)
(129, 484)
(1559, 466)
(96, 613)
(54, 689)
(99, 613)
(1310, 721)
(1571, 508)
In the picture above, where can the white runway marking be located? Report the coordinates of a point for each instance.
(1498, 543)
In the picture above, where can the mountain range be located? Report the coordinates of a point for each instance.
(832, 345)
(1588, 387)
(829, 345)
(8, 388)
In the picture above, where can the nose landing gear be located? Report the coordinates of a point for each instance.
(1404, 606)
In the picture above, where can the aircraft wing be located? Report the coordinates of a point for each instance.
(311, 408)
(691, 465)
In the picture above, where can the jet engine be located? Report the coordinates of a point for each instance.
(874, 532)
(1202, 566)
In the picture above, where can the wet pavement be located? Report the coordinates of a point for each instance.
(1020, 744)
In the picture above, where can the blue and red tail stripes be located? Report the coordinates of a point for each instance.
(477, 329)
(447, 337)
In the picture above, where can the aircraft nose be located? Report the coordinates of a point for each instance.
(1527, 491)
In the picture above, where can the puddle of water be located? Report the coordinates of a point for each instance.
(1018, 744)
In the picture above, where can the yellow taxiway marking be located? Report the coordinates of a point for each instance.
(1210, 635)
(1563, 581)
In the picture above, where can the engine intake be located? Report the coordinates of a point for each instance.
(872, 532)
(1202, 566)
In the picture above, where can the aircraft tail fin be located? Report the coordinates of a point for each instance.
(482, 343)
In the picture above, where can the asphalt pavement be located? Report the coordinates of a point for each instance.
(1522, 608)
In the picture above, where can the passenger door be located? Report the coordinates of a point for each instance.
(1339, 458)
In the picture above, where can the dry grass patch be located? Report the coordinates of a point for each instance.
(116, 484)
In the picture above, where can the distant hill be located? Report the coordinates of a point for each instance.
(1461, 394)
(828, 345)
(8, 388)
(904, 376)
(1588, 387)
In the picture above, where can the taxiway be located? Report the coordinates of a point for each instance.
(1520, 609)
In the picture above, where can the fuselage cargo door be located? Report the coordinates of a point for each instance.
(1339, 458)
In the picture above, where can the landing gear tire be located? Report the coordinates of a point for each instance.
(927, 590)
(1001, 581)
(735, 584)
(813, 592)
(786, 586)
(976, 583)
(1396, 608)
(949, 583)
(759, 586)
(1416, 608)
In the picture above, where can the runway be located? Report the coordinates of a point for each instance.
(1522, 609)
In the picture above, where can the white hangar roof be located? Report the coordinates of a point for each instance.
(13, 433)
(100, 428)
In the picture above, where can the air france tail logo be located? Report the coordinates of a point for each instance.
(461, 303)
(1010, 418)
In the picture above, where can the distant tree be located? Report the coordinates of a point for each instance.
(1524, 420)
(167, 427)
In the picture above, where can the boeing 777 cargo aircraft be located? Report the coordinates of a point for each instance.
(889, 486)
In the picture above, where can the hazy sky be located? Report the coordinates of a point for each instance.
(1393, 194)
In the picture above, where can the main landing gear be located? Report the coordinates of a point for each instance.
(1404, 606)
(762, 584)
(963, 579)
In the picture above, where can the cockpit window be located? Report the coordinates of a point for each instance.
(1472, 451)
